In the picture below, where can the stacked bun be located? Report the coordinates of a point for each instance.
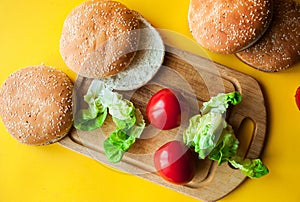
(226, 26)
(262, 33)
(106, 40)
(279, 48)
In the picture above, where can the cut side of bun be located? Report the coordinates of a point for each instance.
(146, 63)
(36, 105)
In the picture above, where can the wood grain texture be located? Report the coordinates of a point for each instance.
(197, 79)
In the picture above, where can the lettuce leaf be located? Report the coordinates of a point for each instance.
(84, 124)
(123, 113)
(91, 118)
(121, 140)
(129, 121)
(137, 129)
(220, 103)
(205, 129)
(226, 147)
(94, 116)
(253, 168)
(211, 136)
(116, 145)
(203, 132)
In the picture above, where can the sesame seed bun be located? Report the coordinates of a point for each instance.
(226, 26)
(36, 105)
(146, 63)
(99, 38)
(279, 48)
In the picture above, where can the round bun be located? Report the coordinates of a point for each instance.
(99, 38)
(225, 26)
(279, 48)
(146, 63)
(36, 105)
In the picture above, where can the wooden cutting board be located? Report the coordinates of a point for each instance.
(197, 79)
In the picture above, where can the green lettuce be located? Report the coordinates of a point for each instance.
(221, 102)
(117, 144)
(205, 129)
(120, 140)
(94, 116)
(203, 132)
(123, 114)
(128, 120)
(211, 136)
(253, 168)
(226, 146)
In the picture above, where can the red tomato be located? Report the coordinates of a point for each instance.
(175, 162)
(297, 97)
(164, 109)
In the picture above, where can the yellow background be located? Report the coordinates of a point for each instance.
(30, 32)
